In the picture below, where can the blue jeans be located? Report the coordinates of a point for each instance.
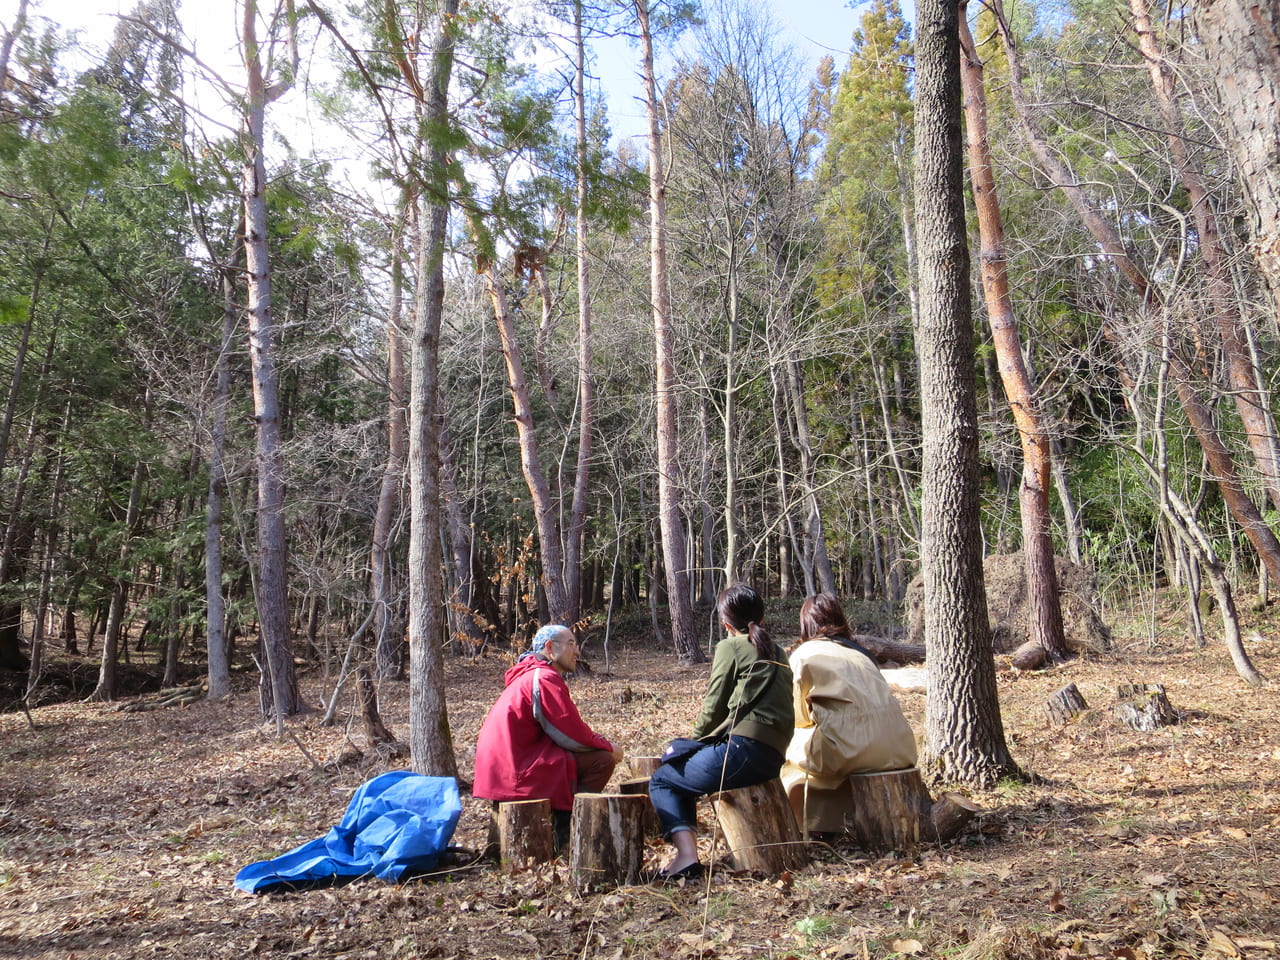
(675, 787)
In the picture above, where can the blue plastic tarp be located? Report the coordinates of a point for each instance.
(396, 826)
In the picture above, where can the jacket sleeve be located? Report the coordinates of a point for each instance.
(558, 716)
(720, 690)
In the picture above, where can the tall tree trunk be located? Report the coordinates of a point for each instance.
(586, 362)
(219, 671)
(430, 740)
(1221, 465)
(1045, 607)
(814, 528)
(964, 733)
(278, 691)
(1241, 41)
(679, 603)
(387, 639)
(544, 507)
(1223, 306)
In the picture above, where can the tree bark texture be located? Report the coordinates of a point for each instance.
(1045, 607)
(387, 641)
(964, 733)
(219, 670)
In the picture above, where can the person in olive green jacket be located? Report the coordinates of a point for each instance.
(747, 720)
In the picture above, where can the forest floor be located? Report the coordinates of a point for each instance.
(120, 833)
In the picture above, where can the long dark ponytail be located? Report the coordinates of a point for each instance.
(741, 608)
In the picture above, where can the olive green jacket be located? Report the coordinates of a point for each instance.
(741, 678)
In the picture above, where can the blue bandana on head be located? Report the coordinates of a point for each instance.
(544, 636)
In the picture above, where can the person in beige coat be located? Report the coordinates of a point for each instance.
(847, 720)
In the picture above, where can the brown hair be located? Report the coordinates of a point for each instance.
(822, 616)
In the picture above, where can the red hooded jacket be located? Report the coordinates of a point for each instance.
(523, 751)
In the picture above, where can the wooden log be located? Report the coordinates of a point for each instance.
(606, 839)
(890, 651)
(760, 828)
(890, 810)
(525, 834)
(1144, 707)
(949, 815)
(1065, 705)
(635, 768)
(1029, 656)
(639, 786)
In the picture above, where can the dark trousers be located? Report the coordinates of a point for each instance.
(675, 787)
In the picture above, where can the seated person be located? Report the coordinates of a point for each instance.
(534, 745)
(847, 720)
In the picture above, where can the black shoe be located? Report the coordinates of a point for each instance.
(694, 871)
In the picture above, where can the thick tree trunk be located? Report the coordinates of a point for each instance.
(679, 602)
(964, 733)
(1044, 605)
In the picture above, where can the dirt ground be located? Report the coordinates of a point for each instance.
(120, 834)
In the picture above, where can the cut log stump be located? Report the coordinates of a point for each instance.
(760, 828)
(1065, 705)
(525, 833)
(606, 841)
(1144, 707)
(1029, 656)
(949, 815)
(635, 768)
(890, 810)
(639, 786)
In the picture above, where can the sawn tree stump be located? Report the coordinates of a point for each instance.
(606, 841)
(635, 768)
(1144, 707)
(639, 786)
(525, 833)
(890, 810)
(760, 828)
(894, 811)
(1064, 705)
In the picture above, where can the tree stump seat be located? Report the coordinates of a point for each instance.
(893, 810)
(606, 839)
(760, 828)
(523, 833)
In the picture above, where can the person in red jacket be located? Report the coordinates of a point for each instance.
(534, 745)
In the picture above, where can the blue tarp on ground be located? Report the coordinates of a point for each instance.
(395, 827)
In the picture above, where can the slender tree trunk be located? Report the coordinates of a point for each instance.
(544, 507)
(219, 671)
(1045, 607)
(964, 733)
(814, 529)
(586, 362)
(430, 740)
(462, 546)
(679, 603)
(388, 641)
(1222, 468)
(278, 691)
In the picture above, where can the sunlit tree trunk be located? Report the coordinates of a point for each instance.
(219, 670)
(1045, 607)
(964, 736)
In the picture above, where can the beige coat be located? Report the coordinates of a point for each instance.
(847, 721)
